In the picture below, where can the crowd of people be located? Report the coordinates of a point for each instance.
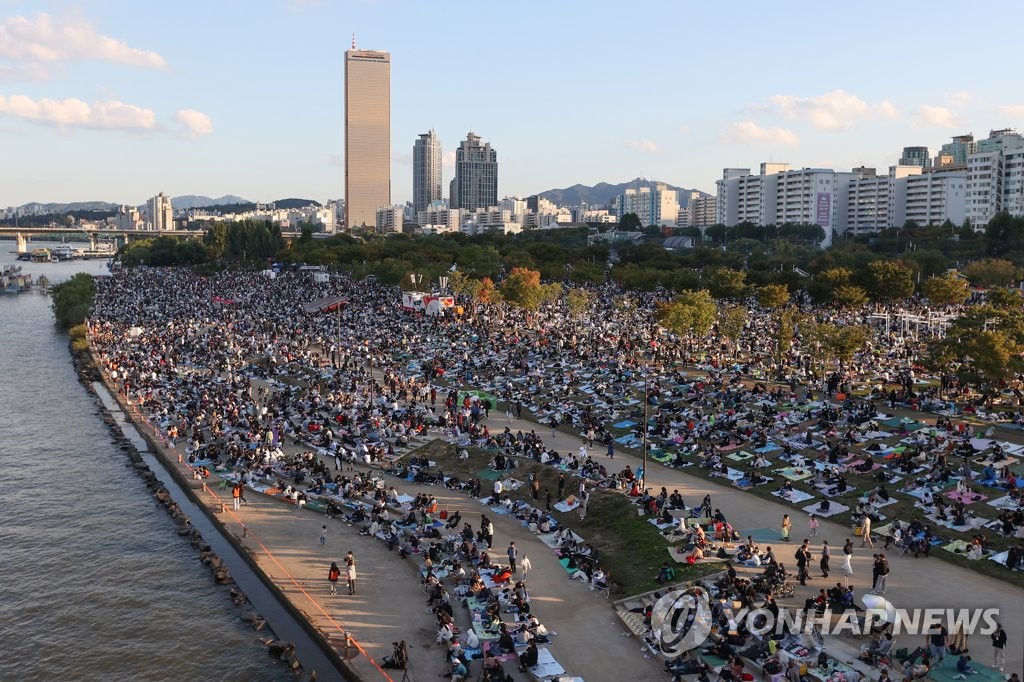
(234, 369)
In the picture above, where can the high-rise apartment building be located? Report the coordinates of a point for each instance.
(955, 153)
(993, 184)
(916, 156)
(657, 205)
(367, 135)
(160, 213)
(476, 175)
(426, 171)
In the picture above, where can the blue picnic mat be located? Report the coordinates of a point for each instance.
(625, 424)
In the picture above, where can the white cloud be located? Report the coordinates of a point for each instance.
(1016, 110)
(46, 39)
(448, 160)
(940, 117)
(643, 146)
(836, 110)
(684, 129)
(887, 110)
(194, 122)
(23, 72)
(74, 113)
(959, 99)
(748, 131)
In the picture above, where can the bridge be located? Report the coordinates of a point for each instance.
(23, 235)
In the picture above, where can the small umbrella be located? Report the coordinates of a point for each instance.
(879, 605)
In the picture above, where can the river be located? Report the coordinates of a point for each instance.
(95, 583)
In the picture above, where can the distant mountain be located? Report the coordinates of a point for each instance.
(295, 203)
(603, 193)
(199, 201)
(36, 208)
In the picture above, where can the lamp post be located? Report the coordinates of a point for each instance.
(643, 477)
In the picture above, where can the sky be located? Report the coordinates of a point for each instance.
(117, 101)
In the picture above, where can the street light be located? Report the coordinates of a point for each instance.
(643, 475)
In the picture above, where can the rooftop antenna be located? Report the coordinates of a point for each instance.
(353, 41)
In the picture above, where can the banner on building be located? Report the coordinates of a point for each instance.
(824, 212)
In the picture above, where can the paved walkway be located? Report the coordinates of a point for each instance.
(390, 604)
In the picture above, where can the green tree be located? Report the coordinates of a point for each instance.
(579, 301)
(689, 313)
(725, 282)
(1008, 300)
(982, 347)
(888, 280)
(785, 330)
(731, 322)
(773, 296)
(992, 272)
(943, 290)
(630, 222)
(849, 296)
(72, 299)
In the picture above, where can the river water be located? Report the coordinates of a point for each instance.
(94, 582)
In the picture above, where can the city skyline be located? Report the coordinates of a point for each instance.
(106, 101)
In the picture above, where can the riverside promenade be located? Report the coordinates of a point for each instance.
(591, 642)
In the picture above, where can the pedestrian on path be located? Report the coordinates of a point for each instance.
(803, 560)
(487, 529)
(583, 505)
(525, 567)
(236, 496)
(550, 499)
(881, 573)
(561, 486)
(611, 450)
(535, 487)
(512, 553)
(350, 565)
(323, 536)
(787, 524)
(999, 648)
(509, 412)
(813, 525)
(865, 529)
(333, 573)
(847, 557)
(826, 554)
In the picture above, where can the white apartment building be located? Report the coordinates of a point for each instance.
(128, 218)
(597, 215)
(654, 206)
(439, 214)
(929, 198)
(868, 202)
(991, 187)
(390, 218)
(160, 213)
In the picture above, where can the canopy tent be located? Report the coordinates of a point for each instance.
(325, 304)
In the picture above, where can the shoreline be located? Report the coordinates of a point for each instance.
(88, 370)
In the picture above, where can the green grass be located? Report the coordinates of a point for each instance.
(627, 546)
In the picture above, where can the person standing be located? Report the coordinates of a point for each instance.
(333, 573)
(999, 648)
(826, 554)
(936, 640)
(350, 568)
(323, 536)
(881, 574)
(512, 553)
(803, 559)
(487, 528)
(509, 411)
(561, 486)
(525, 567)
(787, 525)
(584, 497)
(236, 495)
(535, 487)
(847, 557)
(813, 525)
(865, 528)
(611, 450)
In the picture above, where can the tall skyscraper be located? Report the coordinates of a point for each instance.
(426, 171)
(476, 175)
(367, 135)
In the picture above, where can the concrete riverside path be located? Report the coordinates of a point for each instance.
(591, 643)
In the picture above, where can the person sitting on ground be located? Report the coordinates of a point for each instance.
(528, 659)
(964, 668)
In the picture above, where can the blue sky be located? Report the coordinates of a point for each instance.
(118, 101)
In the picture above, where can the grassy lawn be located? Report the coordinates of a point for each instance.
(628, 547)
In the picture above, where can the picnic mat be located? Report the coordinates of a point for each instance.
(488, 474)
(761, 534)
(625, 424)
(969, 497)
(740, 456)
(546, 666)
(794, 473)
(564, 506)
(793, 496)
(833, 509)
